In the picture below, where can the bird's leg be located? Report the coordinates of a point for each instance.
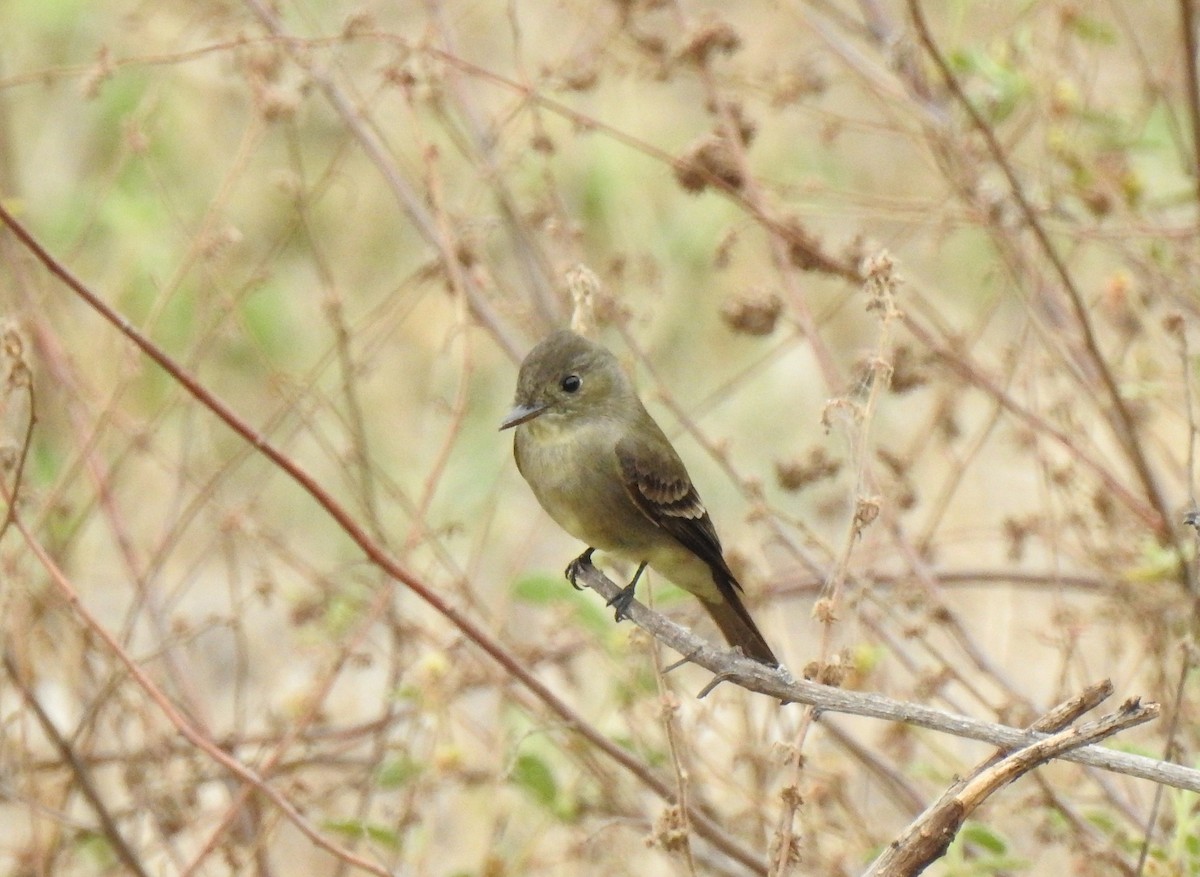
(575, 567)
(625, 595)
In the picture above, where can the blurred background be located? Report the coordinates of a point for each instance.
(350, 221)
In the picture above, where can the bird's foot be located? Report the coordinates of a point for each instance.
(621, 601)
(575, 567)
(625, 596)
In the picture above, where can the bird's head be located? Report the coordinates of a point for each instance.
(565, 377)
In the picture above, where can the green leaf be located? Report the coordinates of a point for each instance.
(1103, 820)
(998, 84)
(546, 590)
(357, 829)
(866, 658)
(96, 848)
(981, 835)
(264, 315)
(1156, 564)
(1092, 30)
(342, 612)
(397, 772)
(541, 589)
(533, 775)
(594, 615)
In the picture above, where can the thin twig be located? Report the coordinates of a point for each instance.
(779, 684)
(19, 377)
(83, 775)
(1191, 85)
(928, 836)
(977, 378)
(180, 722)
(1125, 426)
(412, 204)
(705, 826)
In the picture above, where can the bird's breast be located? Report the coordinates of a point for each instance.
(572, 471)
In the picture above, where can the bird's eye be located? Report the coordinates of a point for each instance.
(571, 384)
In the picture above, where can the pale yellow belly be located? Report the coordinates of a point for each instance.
(578, 482)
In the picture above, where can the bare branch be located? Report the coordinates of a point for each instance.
(732, 667)
(928, 836)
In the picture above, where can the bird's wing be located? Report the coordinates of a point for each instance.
(660, 487)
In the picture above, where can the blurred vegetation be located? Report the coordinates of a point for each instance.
(349, 223)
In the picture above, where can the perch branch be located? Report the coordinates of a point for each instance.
(729, 666)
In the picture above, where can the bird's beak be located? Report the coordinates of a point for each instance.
(522, 413)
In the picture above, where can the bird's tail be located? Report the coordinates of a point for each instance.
(739, 628)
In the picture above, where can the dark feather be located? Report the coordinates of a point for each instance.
(659, 485)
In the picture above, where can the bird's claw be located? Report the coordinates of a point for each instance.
(624, 597)
(576, 567)
(620, 602)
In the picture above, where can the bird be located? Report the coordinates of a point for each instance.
(605, 472)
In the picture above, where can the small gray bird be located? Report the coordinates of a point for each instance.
(605, 472)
